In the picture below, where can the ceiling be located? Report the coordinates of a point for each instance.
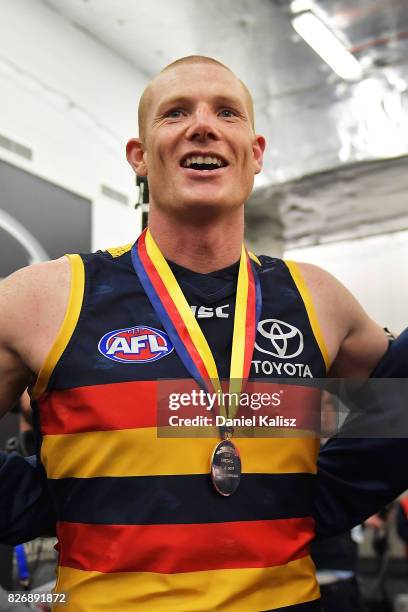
(351, 201)
(329, 141)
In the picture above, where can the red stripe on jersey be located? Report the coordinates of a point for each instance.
(132, 405)
(127, 405)
(172, 549)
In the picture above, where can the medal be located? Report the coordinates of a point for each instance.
(226, 467)
(175, 314)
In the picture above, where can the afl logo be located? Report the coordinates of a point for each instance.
(285, 340)
(135, 345)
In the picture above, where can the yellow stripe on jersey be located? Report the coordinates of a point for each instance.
(254, 257)
(308, 302)
(239, 339)
(120, 250)
(229, 590)
(89, 455)
(68, 325)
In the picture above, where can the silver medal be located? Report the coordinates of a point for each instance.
(226, 467)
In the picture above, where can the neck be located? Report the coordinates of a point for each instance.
(201, 247)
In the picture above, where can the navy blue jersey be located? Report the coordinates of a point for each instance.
(148, 501)
(340, 501)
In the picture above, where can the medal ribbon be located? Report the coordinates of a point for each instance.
(176, 316)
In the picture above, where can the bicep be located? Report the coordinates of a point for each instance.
(362, 347)
(355, 342)
(33, 302)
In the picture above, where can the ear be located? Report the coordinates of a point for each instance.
(258, 148)
(136, 156)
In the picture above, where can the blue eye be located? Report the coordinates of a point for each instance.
(175, 113)
(226, 112)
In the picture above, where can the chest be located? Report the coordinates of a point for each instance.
(120, 337)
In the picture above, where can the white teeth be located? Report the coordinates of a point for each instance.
(199, 159)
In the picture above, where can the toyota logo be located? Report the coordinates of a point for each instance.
(286, 340)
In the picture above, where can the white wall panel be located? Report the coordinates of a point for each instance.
(375, 270)
(73, 102)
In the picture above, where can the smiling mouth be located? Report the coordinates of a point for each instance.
(201, 162)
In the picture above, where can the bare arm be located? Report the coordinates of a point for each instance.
(32, 306)
(354, 341)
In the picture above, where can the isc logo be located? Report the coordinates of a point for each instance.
(135, 345)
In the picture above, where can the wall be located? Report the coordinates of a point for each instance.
(374, 269)
(73, 102)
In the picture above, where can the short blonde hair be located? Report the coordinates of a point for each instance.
(145, 99)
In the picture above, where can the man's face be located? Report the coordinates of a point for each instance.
(199, 149)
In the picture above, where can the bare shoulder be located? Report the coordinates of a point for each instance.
(355, 342)
(30, 288)
(33, 302)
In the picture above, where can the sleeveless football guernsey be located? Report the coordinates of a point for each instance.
(140, 524)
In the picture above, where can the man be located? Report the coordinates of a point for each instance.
(139, 521)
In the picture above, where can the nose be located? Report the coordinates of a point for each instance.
(203, 125)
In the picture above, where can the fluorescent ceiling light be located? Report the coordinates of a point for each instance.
(325, 43)
(298, 6)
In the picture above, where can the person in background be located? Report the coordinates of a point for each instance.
(336, 557)
(34, 561)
